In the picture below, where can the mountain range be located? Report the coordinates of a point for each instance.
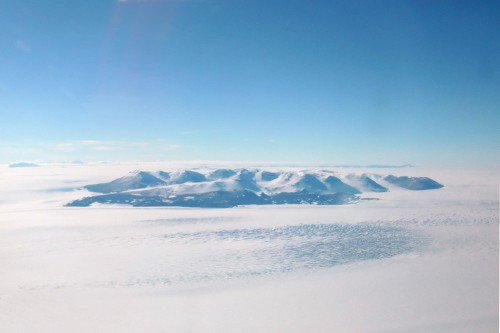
(222, 188)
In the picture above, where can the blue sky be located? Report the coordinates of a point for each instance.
(356, 82)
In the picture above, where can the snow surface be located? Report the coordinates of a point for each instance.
(411, 262)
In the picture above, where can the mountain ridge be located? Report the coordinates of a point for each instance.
(233, 187)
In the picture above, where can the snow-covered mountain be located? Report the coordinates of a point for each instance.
(132, 181)
(233, 187)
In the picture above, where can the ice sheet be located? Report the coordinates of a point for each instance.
(410, 262)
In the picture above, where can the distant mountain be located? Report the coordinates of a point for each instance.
(371, 166)
(23, 165)
(413, 183)
(389, 166)
(233, 187)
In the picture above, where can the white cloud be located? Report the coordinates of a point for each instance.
(90, 149)
(105, 148)
(141, 144)
(65, 147)
(173, 147)
(105, 145)
(90, 142)
(191, 132)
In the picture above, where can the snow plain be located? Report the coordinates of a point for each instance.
(424, 261)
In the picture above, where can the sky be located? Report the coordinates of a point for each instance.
(345, 82)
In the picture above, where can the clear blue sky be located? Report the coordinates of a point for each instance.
(357, 82)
